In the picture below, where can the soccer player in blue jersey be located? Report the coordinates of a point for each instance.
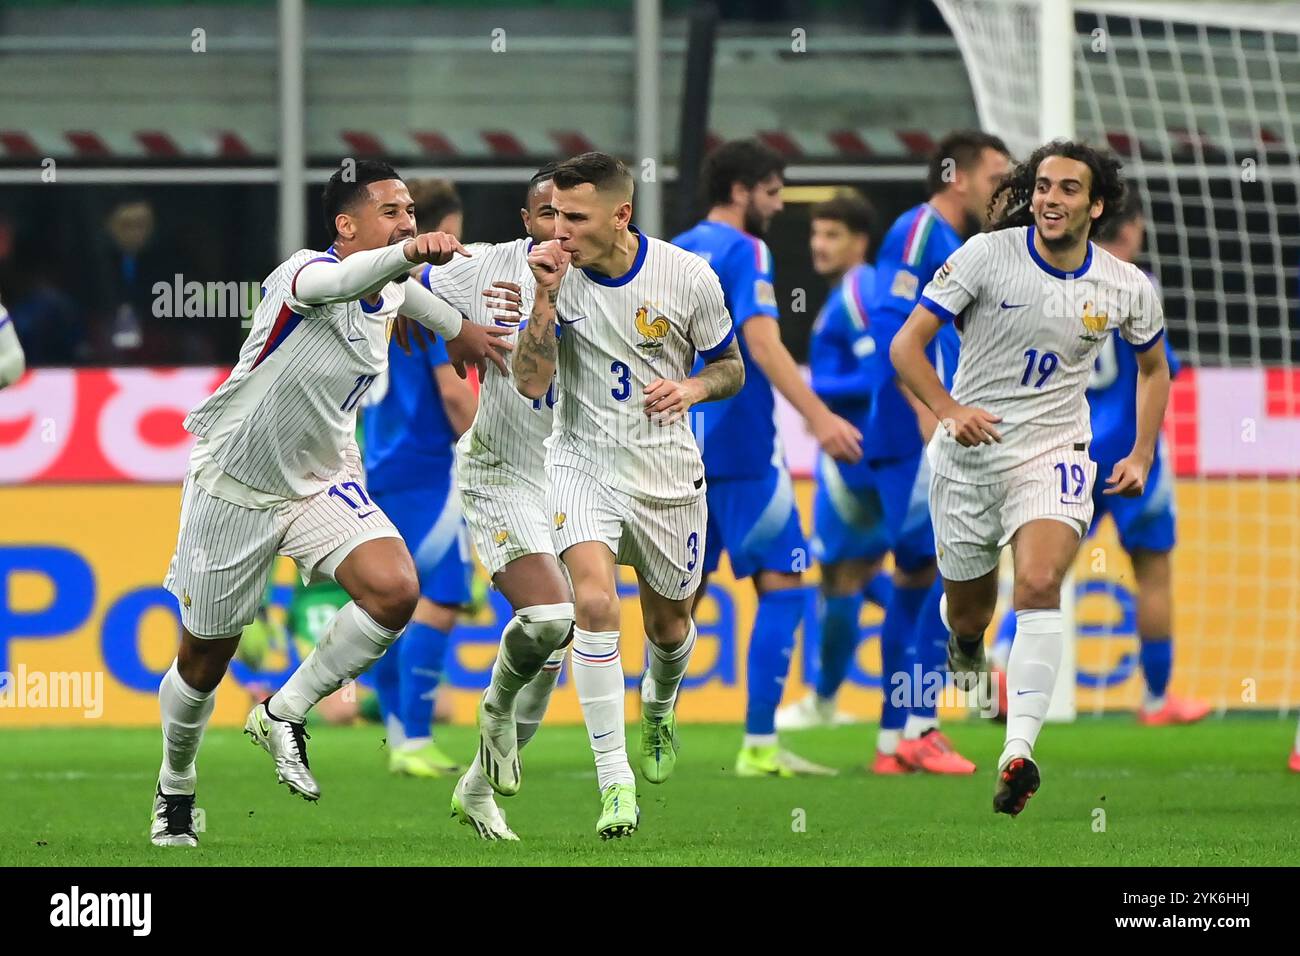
(1145, 523)
(964, 172)
(416, 412)
(848, 540)
(752, 513)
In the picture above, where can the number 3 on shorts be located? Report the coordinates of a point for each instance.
(693, 546)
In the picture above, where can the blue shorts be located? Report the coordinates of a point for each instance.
(756, 522)
(429, 521)
(1145, 523)
(903, 485)
(848, 519)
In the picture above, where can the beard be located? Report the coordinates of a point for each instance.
(1068, 239)
(754, 224)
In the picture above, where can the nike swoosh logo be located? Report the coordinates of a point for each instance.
(358, 339)
(1022, 693)
(367, 514)
(598, 736)
(564, 321)
(1005, 305)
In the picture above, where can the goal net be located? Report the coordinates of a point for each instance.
(1201, 102)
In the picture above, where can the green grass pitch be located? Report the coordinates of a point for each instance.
(1213, 794)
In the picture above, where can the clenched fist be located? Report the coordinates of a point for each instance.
(435, 248)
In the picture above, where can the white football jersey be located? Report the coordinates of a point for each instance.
(509, 426)
(616, 337)
(1029, 335)
(282, 419)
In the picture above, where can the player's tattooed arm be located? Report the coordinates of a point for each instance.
(538, 347)
(667, 401)
(722, 376)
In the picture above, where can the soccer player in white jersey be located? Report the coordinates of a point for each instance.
(501, 475)
(276, 471)
(1034, 301)
(12, 361)
(626, 478)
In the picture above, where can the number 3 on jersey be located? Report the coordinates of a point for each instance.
(623, 390)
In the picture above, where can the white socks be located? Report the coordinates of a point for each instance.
(530, 708)
(531, 704)
(664, 675)
(887, 741)
(527, 641)
(598, 677)
(916, 726)
(185, 712)
(1031, 678)
(352, 642)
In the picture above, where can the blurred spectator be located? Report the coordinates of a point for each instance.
(125, 263)
(437, 206)
(44, 317)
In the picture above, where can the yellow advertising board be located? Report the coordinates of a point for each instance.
(86, 629)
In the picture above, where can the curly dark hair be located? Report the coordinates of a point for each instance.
(1016, 190)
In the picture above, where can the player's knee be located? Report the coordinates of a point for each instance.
(595, 609)
(667, 630)
(1037, 588)
(392, 602)
(920, 576)
(549, 625)
(843, 579)
(202, 663)
(970, 618)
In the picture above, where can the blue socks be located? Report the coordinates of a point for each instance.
(1157, 656)
(423, 652)
(770, 647)
(840, 633)
(880, 589)
(897, 651)
(931, 649)
(387, 674)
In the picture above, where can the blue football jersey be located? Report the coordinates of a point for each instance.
(409, 439)
(841, 351)
(1112, 398)
(738, 434)
(916, 245)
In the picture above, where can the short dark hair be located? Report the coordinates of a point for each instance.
(605, 172)
(1128, 209)
(963, 149)
(744, 161)
(347, 187)
(434, 199)
(1107, 184)
(544, 174)
(850, 207)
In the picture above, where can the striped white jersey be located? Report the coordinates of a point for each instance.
(616, 337)
(1030, 333)
(282, 419)
(510, 426)
(12, 361)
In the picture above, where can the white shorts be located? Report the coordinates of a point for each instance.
(225, 552)
(506, 510)
(972, 523)
(664, 542)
